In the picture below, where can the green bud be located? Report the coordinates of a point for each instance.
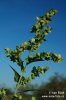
(32, 76)
(30, 56)
(38, 54)
(47, 14)
(8, 51)
(42, 71)
(32, 40)
(38, 18)
(28, 79)
(24, 45)
(59, 56)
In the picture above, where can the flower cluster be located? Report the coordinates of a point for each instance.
(44, 56)
(36, 71)
(43, 20)
(24, 80)
(15, 56)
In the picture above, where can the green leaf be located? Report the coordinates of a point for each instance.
(8, 52)
(16, 75)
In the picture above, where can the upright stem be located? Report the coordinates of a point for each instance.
(18, 84)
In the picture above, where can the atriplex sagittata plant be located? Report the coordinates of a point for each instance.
(41, 30)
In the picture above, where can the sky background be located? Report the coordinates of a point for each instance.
(16, 19)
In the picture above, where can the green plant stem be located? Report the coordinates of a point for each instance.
(18, 84)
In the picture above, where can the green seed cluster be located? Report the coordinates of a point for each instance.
(15, 56)
(39, 38)
(37, 71)
(43, 20)
(44, 56)
(24, 80)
